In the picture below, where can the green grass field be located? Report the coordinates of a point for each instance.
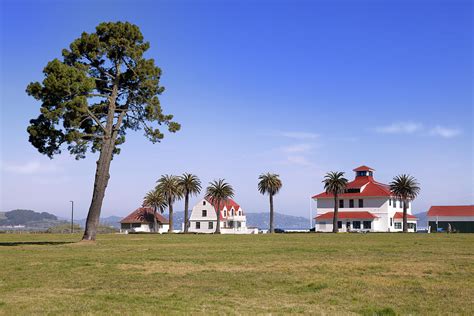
(286, 273)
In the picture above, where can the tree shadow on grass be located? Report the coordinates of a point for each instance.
(39, 243)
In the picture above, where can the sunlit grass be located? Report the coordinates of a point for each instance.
(382, 274)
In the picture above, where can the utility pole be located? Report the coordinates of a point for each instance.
(72, 217)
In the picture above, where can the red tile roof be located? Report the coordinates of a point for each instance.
(363, 168)
(144, 215)
(372, 188)
(399, 215)
(228, 204)
(452, 210)
(347, 215)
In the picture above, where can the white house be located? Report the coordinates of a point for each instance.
(141, 220)
(366, 205)
(460, 217)
(232, 218)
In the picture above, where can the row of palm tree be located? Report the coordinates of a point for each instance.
(171, 188)
(404, 187)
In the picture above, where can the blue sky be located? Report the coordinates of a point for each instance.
(294, 87)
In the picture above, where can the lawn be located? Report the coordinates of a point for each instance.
(285, 273)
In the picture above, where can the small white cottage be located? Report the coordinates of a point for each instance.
(232, 218)
(141, 220)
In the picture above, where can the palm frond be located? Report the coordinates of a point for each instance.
(334, 182)
(405, 187)
(169, 186)
(219, 190)
(190, 184)
(269, 183)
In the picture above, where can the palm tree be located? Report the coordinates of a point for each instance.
(169, 186)
(156, 200)
(269, 183)
(335, 183)
(190, 185)
(217, 192)
(406, 188)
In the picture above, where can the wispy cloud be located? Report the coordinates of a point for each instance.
(445, 132)
(27, 168)
(400, 128)
(297, 148)
(299, 160)
(299, 135)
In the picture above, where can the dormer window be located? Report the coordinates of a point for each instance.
(353, 190)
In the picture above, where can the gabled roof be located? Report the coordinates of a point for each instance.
(346, 215)
(143, 215)
(399, 215)
(363, 168)
(451, 210)
(372, 188)
(228, 204)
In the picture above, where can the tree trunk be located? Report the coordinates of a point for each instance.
(405, 224)
(335, 229)
(103, 163)
(155, 222)
(186, 218)
(218, 227)
(170, 206)
(272, 227)
(100, 184)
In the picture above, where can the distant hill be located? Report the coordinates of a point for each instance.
(260, 220)
(105, 221)
(28, 218)
(422, 219)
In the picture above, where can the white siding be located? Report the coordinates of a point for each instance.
(379, 206)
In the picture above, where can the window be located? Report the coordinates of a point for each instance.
(204, 213)
(136, 224)
(198, 225)
(391, 221)
(389, 202)
(225, 213)
(356, 224)
(203, 202)
(367, 224)
(401, 204)
(351, 203)
(352, 190)
(211, 225)
(341, 203)
(240, 213)
(339, 224)
(361, 203)
(394, 203)
(398, 225)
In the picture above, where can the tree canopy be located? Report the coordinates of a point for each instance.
(101, 87)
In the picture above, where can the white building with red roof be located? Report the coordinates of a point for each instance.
(460, 217)
(141, 220)
(203, 218)
(366, 205)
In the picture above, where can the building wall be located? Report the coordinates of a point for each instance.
(465, 224)
(144, 227)
(196, 216)
(379, 206)
(326, 226)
